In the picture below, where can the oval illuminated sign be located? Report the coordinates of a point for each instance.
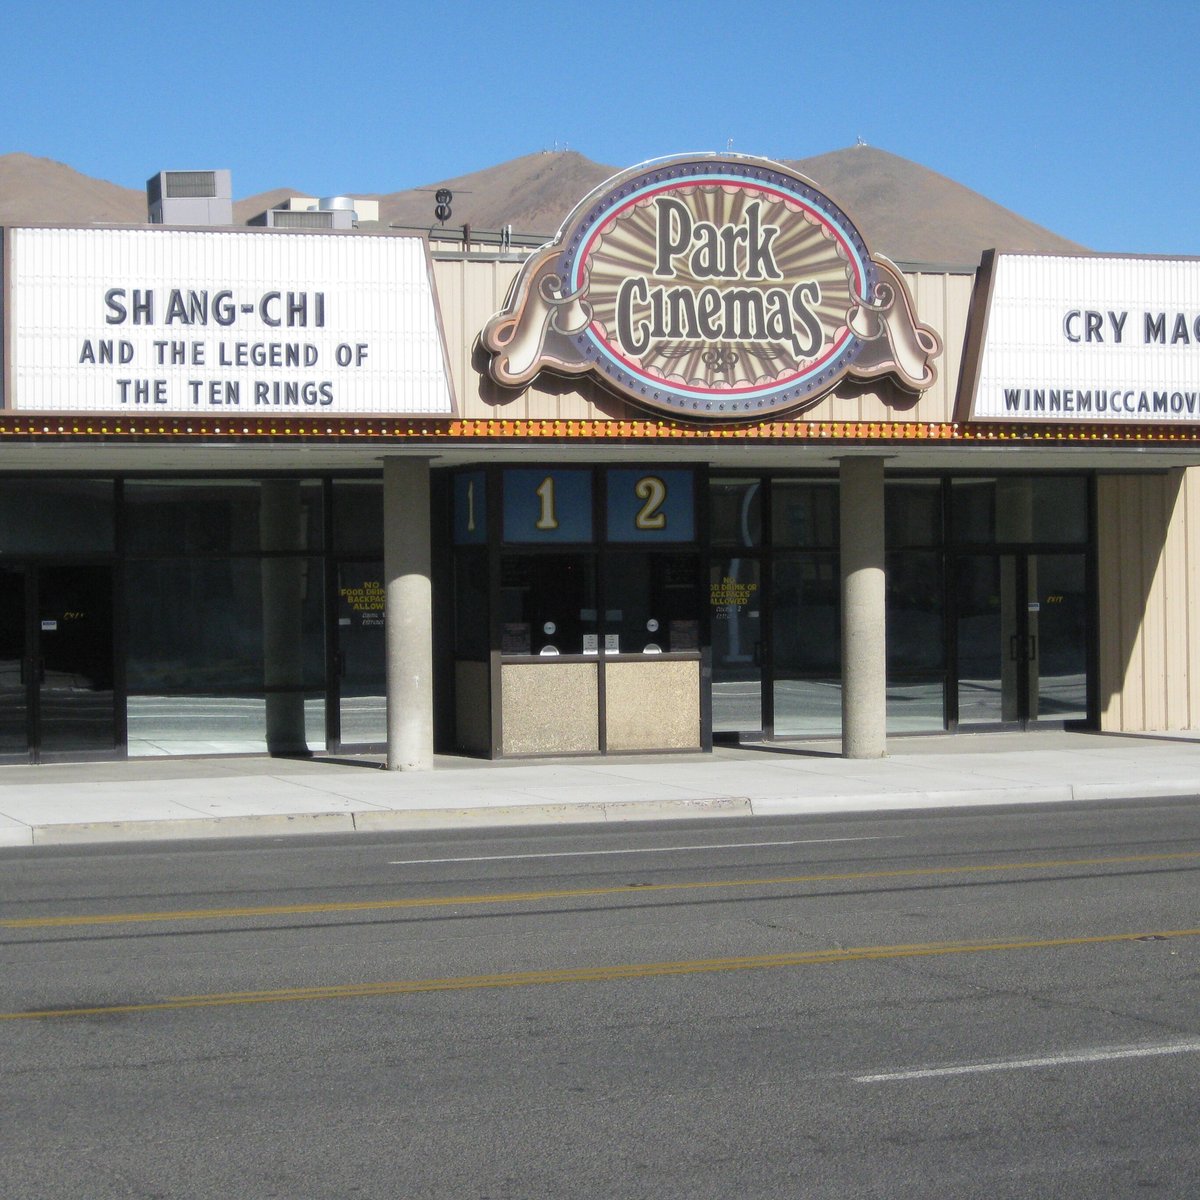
(716, 288)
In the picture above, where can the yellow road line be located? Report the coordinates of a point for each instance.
(593, 974)
(623, 889)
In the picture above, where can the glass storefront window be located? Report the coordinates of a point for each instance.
(358, 516)
(232, 517)
(1018, 509)
(215, 724)
(916, 706)
(214, 624)
(807, 645)
(912, 513)
(56, 516)
(915, 621)
(804, 514)
(735, 512)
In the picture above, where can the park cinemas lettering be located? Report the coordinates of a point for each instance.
(714, 288)
(701, 250)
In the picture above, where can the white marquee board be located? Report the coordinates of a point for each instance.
(222, 323)
(1101, 339)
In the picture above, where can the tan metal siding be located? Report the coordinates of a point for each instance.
(1149, 602)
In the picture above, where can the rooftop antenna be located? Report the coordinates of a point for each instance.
(860, 141)
(729, 145)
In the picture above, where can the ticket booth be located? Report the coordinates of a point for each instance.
(579, 610)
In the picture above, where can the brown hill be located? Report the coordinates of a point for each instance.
(913, 214)
(39, 190)
(904, 210)
(532, 194)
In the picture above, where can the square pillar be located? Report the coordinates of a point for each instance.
(864, 647)
(408, 614)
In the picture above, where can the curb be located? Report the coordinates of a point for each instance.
(82, 833)
(377, 820)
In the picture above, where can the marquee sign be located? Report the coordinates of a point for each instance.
(713, 288)
(222, 322)
(1099, 338)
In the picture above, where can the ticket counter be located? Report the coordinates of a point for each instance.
(579, 610)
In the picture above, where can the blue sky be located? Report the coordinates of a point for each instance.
(1079, 116)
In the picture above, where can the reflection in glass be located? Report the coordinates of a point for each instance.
(912, 513)
(1019, 508)
(807, 645)
(361, 654)
(979, 625)
(198, 624)
(804, 514)
(735, 612)
(915, 705)
(915, 631)
(915, 642)
(735, 511)
(197, 517)
(221, 723)
(56, 516)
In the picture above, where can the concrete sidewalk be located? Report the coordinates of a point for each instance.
(149, 799)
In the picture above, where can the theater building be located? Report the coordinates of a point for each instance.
(706, 466)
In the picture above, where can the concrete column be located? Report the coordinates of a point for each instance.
(864, 661)
(408, 615)
(280, 527)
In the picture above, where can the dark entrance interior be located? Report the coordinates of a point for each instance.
(1021, 638)
(56, 661)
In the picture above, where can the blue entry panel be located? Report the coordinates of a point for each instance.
(650, 506)
(547, 505)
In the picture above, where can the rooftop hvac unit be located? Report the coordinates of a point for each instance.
(289, 218)
(190, 198)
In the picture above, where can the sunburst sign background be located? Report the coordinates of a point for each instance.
(563, 311)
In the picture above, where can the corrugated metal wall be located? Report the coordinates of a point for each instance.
(1149, 603)
(471, 291)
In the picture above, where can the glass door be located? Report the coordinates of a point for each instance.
(75, 707)
(57, 697)
(1057, 648)
(735, 601)
(14, 662)
(1021, 638)
(360, 677)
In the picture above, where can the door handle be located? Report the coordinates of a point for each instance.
(1012, 647)
(1033, 647)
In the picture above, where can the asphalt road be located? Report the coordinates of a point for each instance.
(941, 1004)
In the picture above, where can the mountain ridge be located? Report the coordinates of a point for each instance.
(903, 209)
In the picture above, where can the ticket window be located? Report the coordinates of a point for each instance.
(651, 603)
(548, 604)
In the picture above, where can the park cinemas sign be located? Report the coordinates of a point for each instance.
(712, 288)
